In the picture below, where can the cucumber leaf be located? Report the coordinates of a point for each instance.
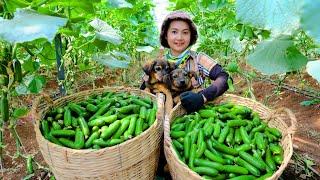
(27, 25)
(277, 56)
(105, 32)
(84, 6)
(31, 84)
(147, 49)
(313, 68)
(278, 16)
(119, 4)
(310, 18)
(110, 61)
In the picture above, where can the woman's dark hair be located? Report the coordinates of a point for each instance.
(176, 16)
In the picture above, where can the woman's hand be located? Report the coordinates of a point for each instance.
(192, 101)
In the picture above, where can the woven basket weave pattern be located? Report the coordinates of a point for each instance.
(136, 158)
(179, 170)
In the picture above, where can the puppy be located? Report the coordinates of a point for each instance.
(179, 81)
(155, 73)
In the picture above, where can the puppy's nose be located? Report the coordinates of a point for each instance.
(182, 82)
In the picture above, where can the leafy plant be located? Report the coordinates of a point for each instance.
(310, 102)
(303, 166)
(283, 20)
(71, 36)
(274, 37)
(15, 80)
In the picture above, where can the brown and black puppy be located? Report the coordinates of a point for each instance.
(155, 73)
(179, 81)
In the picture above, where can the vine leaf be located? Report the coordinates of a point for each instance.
(83, 6)
(277, 56)
(109, 60)
(180, 4)
(19, 112)
(105, 32)
(28, 25)
(119, 4)
(121, 55)
(31, 84)
(147, 49)
(310, 18)
(313, 68)
(14, 4)
(279, 16)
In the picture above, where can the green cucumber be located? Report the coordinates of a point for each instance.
(84, 126)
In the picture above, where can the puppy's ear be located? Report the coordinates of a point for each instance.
(172, 65)
(167, 80)
(192, 74)
(160, 53)
(147, 68)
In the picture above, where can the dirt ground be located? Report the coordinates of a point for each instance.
(306, 139)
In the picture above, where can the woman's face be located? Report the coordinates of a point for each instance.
(178, 37)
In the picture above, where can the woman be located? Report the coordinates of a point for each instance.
(178, 34)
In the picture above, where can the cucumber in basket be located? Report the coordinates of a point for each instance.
(227, 140)
(102, 120)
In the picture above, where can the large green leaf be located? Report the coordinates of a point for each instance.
(279, 16)
(310, 19)
(12, 5)
(277, 56)
(30, 65)
(180, 4)
(36, 85)
(147, 49)
(109, 60)
(19, 112)
(213, 5)
(105, 32)
(119, 4)
(313, 68)
(47, 54)
(121, 55)
(31, 84)
(227, 34)
(83, 5)
(28, 25)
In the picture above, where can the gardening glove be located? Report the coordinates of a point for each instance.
(191, 101)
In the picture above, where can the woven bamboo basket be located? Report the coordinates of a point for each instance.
(136, 158)
(278, 119)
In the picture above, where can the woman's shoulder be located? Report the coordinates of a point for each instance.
(203, 58)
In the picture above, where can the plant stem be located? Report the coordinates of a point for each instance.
(1, 140)
(16, 137)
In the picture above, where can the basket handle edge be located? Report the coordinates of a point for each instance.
(293, 120)
(33, 113)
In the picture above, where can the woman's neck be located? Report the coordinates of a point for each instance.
(177, 54)
(174, 53)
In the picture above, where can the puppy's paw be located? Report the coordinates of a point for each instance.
(147, 90)
(157, 91)
(176, 100)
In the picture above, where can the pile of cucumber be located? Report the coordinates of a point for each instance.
(100, 121)
(227, 141)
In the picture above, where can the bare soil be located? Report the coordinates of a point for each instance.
(306, 139)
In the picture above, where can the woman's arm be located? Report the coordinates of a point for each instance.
(219, 84)
(193, 101)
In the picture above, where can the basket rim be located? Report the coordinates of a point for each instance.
(151, 128)
(168, 141)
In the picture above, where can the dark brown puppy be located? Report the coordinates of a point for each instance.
(156, 71)
(179, 81)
